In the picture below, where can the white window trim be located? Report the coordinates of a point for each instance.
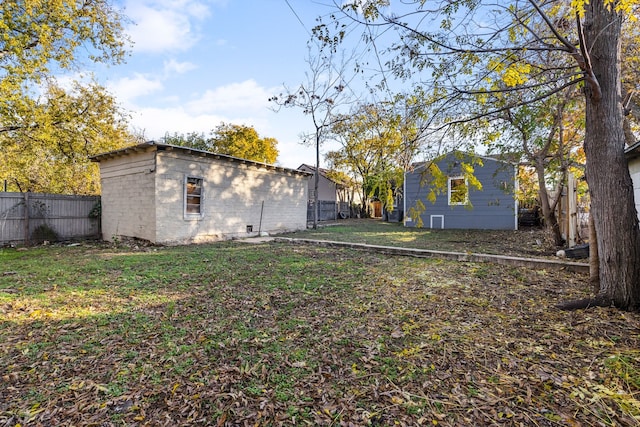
(466, 198)
(188, 215)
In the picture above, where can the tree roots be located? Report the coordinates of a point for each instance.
(597, 301)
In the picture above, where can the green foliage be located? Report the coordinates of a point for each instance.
(378, 143)
(435, 180)
(232, 140)
(48, 149)
(244, 142)
(46, 131)
(522, 54)
(385, 185)
(96, 210)
(626, 367)
(415, 213)
(193, 139)
(38, 35)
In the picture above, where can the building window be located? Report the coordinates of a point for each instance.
(397, 200)
(193, 196)
(458, 191)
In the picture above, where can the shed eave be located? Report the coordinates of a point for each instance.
(140, 148)
(155, 146)
(633, 151)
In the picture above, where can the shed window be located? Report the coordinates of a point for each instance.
(193, 196)
(458, 191)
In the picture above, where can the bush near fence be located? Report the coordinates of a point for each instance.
(50, 217)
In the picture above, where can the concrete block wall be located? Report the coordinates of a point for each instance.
(128, 197)
(239, 199)
(634, 170)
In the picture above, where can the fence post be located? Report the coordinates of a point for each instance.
(27, 240)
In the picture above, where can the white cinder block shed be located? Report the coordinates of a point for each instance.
(177, 195)
(633, 159)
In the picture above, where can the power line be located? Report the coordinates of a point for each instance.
(297, 17)
(346, 83)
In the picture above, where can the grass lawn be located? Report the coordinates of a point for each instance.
(279, 334)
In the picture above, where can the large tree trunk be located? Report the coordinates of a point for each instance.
(610, 185)
(548, 211)
(316, 181)
(594, 260)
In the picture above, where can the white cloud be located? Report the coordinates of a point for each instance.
(172, 66)
(129, 88)
(162, 26)
(156, 122)
(244, 103)
(236, 97)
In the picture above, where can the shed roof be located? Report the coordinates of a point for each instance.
(324, 173)
(156, 146)
(633, 151)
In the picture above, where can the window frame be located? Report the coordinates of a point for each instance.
(449, 192)
(397, 198)
(187, 195)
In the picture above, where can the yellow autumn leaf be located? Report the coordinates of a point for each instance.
(516, 74)
(397, 400)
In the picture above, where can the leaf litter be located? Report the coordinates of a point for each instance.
(281, 334)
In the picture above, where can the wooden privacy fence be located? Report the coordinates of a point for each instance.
(33, 218)
(328, 210)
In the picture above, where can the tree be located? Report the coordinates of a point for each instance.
(542, 134)
(38, 35)
(48, 148)
(545, 137)
(475, 39)
(232, 140)
(244, 142)
(362, 138)
(378, 143)
(46, 132)
(609, 181)
(192, 139)
(319, 98)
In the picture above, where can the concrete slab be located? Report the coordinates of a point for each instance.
(257, 240)
(459, 256)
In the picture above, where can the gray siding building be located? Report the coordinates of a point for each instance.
(445, 194)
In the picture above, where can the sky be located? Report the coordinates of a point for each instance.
(197, 63)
